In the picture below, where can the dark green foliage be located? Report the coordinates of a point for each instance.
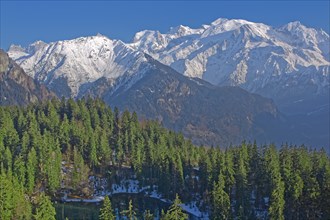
(276, 205)
(46, 144)
(45, 209)
(220, 200)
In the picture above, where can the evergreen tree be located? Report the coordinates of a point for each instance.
(175, 211)
(22, 207)
(130, 213)
(106, 212)
(242, 192)
(31, 166)
(7, 159)
(148, 215)
(80, 170)
(19, 169)
(220, 200)
(6, 197)
(277, 202)
(45, 209)
(228, 171)
(41, 140)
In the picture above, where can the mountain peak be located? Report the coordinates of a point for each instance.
(230, 23)
(36, 46)
(219, 21)
(16, 48)
(139, 35)
(182, 30)
(222, 25)
(293, 26)
(100, 35)
(178, 29)
(38, 43)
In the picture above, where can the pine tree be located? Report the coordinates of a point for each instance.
(31, 170)
(242, 192)
(148, 215)
(7, 159)
(22, 208)
(80, 170)
(45, 209)
(34, 139)
(106, 212)
(130, 213)
(277, 202)
(6, 197)
(229, 173)
(175, 211)
(93, 151)
(220, 200)
(19, 168)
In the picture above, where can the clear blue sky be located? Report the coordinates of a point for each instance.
(23, 22)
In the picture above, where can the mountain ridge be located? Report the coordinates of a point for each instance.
(205, 113)
(289, 64)
(17, 88)
(255, 56)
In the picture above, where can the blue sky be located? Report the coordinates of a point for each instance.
(23, 22)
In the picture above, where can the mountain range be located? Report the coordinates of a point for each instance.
(288, 64)
(154, 73)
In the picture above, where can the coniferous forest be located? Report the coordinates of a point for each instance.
(61, 144)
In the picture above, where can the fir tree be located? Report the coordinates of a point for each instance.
(130, 213)
(148, 215)
(31, 166)
(45, 209)
(175, 211)
(220, 200)
(106, 212)
(277, 202)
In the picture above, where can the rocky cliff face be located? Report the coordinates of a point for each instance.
(17, 88)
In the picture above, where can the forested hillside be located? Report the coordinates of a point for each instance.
(58, 145)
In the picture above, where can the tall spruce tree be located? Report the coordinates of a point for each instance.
(175, 211)
(276, 206)
(129, 213)
(220, 200)
(106, 212)
(45, 209)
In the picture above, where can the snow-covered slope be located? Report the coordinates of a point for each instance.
(255, 56)
(287, 64)
(70, 65)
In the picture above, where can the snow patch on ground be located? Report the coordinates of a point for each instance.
(130, 186)
(193, 209)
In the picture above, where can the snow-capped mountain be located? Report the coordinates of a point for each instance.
(274, 62)
(289, 64)
(69, 66)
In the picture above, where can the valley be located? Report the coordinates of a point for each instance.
(173, 113)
